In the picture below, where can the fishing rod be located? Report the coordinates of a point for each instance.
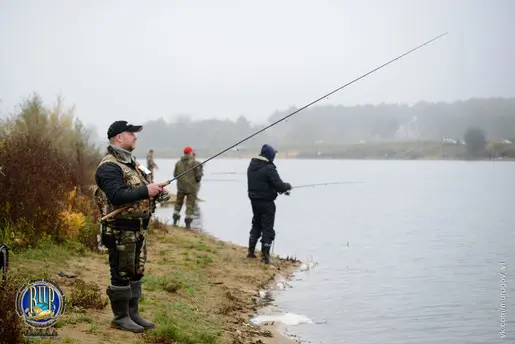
(168, 182)
(319, 184)
(305, 107)
(227, 173)
(287, 193)
(220, 180)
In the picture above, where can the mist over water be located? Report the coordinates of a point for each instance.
(411, 254)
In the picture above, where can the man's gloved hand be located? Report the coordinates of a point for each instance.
(289, 188)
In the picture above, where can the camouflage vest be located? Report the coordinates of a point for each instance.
(188, 182)
(134, 179)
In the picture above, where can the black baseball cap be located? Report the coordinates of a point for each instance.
(119, 127)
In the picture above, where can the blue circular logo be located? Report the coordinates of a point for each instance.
(40, 303)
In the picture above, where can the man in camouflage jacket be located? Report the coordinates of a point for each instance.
(187, 186)
(122, 181)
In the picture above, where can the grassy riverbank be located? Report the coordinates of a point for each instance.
(197, 289)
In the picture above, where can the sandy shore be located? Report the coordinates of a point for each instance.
(278, 335)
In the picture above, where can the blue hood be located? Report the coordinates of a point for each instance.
(268, 152)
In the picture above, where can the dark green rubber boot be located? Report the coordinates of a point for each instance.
(120, 297)
(133, 306)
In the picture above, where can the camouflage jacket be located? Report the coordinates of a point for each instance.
(133, 178)
(188, 183)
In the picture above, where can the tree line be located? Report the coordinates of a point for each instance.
(340, 125)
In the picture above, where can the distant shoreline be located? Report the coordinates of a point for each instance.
(395, 150)
(346, 158)
(386, 150)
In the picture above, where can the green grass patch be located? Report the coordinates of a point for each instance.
(40, 341)
(75, 319)
(204, 259)
(93, 328)
(197, 261)
(200, 246)
(44, 252)
(182, 324)
(186, 280)
(166, 261)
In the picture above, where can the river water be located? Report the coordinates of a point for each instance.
(418, 252)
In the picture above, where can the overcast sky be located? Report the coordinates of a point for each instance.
(141, 60)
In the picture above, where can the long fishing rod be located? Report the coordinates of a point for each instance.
(168, 182)
(306, 106)
(320, 184)
(220, 180)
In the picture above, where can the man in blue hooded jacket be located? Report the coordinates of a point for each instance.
(264, 183)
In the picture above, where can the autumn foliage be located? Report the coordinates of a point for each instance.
(47, 163)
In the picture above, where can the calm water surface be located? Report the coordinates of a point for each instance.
(413, 254)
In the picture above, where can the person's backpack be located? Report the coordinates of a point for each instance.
(4, 260)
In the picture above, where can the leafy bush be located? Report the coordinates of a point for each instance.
(35, 184)
(48, 164)
(11, 325)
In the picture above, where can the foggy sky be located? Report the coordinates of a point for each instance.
(141, 60)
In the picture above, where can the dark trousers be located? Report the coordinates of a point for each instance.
(263, 221)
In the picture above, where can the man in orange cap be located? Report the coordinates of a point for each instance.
(187, 185)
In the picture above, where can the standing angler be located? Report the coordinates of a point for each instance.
(120, 181)
(151, 165)
(264, 183)
(187, 186)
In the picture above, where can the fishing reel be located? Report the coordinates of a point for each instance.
(163, 197)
